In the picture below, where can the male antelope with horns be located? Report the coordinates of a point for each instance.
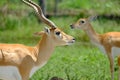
(19, 62)
(108, 43)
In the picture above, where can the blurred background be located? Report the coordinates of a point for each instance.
(81, 61)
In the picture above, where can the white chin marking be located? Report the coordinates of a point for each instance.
(9, 73)
(70, 43)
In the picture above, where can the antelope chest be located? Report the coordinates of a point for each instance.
(9, 73)
(102, 49)
(34, 69)
(115, 50)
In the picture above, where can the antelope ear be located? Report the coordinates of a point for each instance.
(92, 18)
(47, 30)
(39, 33)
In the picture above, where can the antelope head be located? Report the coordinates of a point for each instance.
(55, 34)
(83, 23)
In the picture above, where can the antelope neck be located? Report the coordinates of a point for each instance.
(94, 37)
(44, 49)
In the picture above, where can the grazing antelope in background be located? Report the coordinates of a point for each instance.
(109, 42)
(19, 62)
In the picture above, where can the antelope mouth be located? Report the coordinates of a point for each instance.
(70, 42)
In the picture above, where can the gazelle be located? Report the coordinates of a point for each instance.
(19, 62)
(109, 42)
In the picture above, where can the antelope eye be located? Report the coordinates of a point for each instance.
(82, 21)
(57, 33)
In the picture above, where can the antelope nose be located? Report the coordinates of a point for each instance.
(73, 40)
(71, 26)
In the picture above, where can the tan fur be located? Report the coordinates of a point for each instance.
(25, 58)
(107, 40)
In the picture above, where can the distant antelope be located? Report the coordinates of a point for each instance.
(19, 62)
(109, 42)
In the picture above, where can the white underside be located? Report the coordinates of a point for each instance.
(9, 73)
(12, 72)
(115, 51)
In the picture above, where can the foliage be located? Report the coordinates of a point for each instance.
(80, 61)
(93, 6)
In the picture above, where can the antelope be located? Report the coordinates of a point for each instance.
(108, 43)
(20, 62)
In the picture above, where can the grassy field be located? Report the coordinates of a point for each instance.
(80, 61)
(93, 6)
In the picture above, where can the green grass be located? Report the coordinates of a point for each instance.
(92, 6)
(80, 61)
(75, 62)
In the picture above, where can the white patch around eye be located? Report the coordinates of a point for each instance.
(58, 35)
(82, 22)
